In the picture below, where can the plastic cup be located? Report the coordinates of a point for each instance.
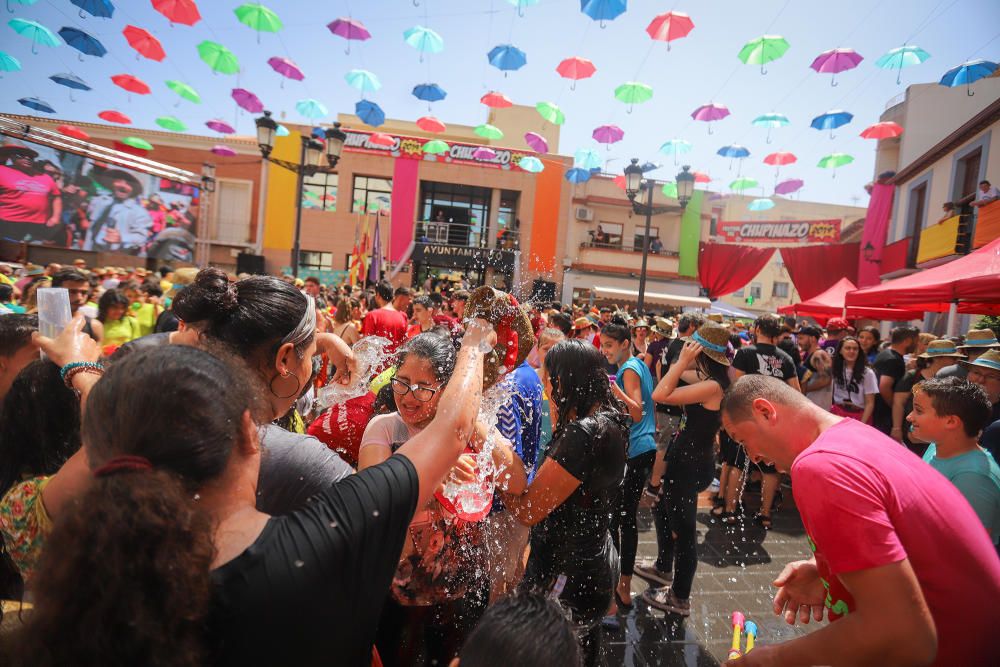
(53, 310)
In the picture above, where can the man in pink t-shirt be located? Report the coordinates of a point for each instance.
(900, 560)
(30, 201)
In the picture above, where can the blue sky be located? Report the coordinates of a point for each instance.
(700, 68)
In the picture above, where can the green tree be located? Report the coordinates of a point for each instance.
(990, 322)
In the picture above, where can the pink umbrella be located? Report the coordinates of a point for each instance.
(670, 26)
(431, 124)
(780, 158)
(886, 130)
(495, 100)
(608, 134)
(381, 139)
(224, 151)
(537, 142)
(836, 60)
(702, 177)
(788, 186)
(710, 112)
(247, 100)
(286, 68)
(484, 153)
(576, 68)
(349, 29)
(220, 126)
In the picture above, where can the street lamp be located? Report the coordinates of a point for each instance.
(310, 163)
(869, 253)
(634, 184)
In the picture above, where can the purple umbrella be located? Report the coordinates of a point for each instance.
(220, 126)
(710, 112)
(286, 68)
(247, 100)
(224, 151)
(788, 186)
(349, 29)
(608, 134)
(484, 153)
(836, 60)
(537, 142)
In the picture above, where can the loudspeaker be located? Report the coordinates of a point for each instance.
(247, 263)
(543, 290)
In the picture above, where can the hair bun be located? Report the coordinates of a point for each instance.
(216, 289)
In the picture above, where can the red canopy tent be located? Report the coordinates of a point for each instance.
(831, 304)
(972, 282)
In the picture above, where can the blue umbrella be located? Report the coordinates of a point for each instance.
(577, 175)
(36, 104)
(831, 120)
(734, 152)
(71, 81)
(100, 8)
(83, 42)
(603, 10)
(370, 113)
(429, 92)
(506, 57)
(968, 73)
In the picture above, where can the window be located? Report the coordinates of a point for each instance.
(755, 290)
(455, 214)
(371, 194)
(740, 294)
(779, 290)
(315, 260)
(231, 211)
(916, 207)
(640, 233)
(967, 176)
(608, 235)
(320, 192)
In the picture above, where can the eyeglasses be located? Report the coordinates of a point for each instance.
(421, 393)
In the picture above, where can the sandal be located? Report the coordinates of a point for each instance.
(623, 605)
(718, 511)
(763, 520)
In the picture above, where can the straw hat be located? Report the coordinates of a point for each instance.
(980, 338)
(579, 323)
(941, 348)
(989, 359)
(515, 335)
(663, 326)
(714, 340)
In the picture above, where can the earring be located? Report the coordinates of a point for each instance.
(295, 392)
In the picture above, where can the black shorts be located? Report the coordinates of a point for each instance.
(730, 451)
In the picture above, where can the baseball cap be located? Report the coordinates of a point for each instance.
(837, 324)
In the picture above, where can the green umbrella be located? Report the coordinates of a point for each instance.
(184, 90)
(487, 131)
(744, 184)
(763, 50)
(171, 123)
(632, 93)
(436, 147)
(136, 142)
(551, 113)
(670, 189)
(258, 17)
(218, 57)
(834, 160)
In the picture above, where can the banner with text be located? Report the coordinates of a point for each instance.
(779, 231)
(413, 148)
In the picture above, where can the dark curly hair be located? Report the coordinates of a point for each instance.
(857, 374)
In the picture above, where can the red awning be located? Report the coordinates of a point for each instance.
(831, 304)
(973, 281)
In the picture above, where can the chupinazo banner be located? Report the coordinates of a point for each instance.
(779, 231)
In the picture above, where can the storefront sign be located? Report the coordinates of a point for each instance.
(461, 257)
(780, 231)
(412, 147)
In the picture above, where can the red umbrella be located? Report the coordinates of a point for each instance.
(576, 68)
(670, 26)
(131, 84)
(780, 158)
(144, 43)
(702, 177)
(431, 124)
(619, 181)
(73, 131)
(886, 130)
(184, 12)
(495, 100)
(115, 117)
(381, 139)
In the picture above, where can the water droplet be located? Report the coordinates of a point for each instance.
(374, 512)
(300, 563)
(333, 524)
(197, 496)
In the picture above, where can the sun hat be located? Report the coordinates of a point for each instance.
(579, 323)
(663, 326)
(515, 335)
(837, 324)
(941, 348)
(980, 338)
(989, 359)
(714, 340)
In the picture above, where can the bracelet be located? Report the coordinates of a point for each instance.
(71, 369)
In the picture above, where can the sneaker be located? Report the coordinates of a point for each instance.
(654, 576)
(664, 599)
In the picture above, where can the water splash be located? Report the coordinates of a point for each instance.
(370, 356)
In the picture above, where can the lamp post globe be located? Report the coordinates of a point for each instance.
(335, 138)
(633, 179)
(267, 127)
(685, 185)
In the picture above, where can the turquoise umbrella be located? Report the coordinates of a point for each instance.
(902, 56)
(36, 32)
(675, 147)
(770, 120)
(521, 4)
(311, 108)
(531, 164)
(9, 63)
(363, 80)
(587, 158)
(423, 40)
(763, 204)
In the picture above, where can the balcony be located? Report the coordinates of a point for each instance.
(896, 259)
(613, 258)
(464, 235)
(987, 224)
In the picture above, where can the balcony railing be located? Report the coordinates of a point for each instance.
(987, 224)
(636, 248)
(465, 235)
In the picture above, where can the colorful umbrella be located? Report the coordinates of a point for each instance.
(506, 57)
(575, 68)
(788, 186)
(487, 131)
(381, 139)
(608, 134)
(363, 80)
(710, 112)
(36, 32)
(115, 117)
(220, 126)
(968, 73)
(311, 109)
(603, 10)
(103, 9)
(83, 42)
(350, 29)
(521, 4)
(780, 159)
(258, 17)
(577, 175)
(369, 113)
(760, 205)
(19, 2)
(436, 147)
(733, 151)
(184, 90)
(282, 131)
(131, 83)
(71, 81)
(619, 181)
(670, 26)
(36, 104)
(285, 68)
(702, 177)
(484, 153)
(886, 130)
(138, 142)
(770, 120)
(900, 57)
(431, 124)
(223, 150)
(9, 63)
(550, 113)
(171, 123)
(835, 61)
(537, 142)
(531, 164)
(184, 12)
(144, 43)
(831, 120)
(834, 161)
(632, 93)
(73, 131)
(669, 189)
(429, 92)
(741, 184)
(675, 147)
(587, 158)
(218, 58)
(247, 100)
(495, 100)
(423, 40)
(763, 50)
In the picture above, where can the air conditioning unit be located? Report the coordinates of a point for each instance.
(584, 214)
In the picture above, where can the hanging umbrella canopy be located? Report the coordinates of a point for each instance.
(138, 142)
(633, 92)
(70, 81)
(537, 142)
(131, 83)
(495, 100)
(436, 147)
(115, 117)
(885, 130)
(423, 40)
(258, 17)
(770, 120)
(103, 9)
(144, 43)
(19, 2)
(835, 61)
(702, 177)
(675, 147)
(587, 158)
(350, 29)
(788, 186)
(670, 26)
(311, 109)
(968, 73)
(218, 58)
(247, 100)
(73, 131)
(286, 68)
(710, 112)
(550, 113)
(363, 80)
(369, 113)
(282, 131)
(36, 104)
(223, 150)
(531, 164)
(577, 175)
(429, 92)
(780, 159)
(36, 32)
(575, 68)
(521, 4)
(220, 126)
(184, 12)
(902, 56)
(669, 189)
(484, 153)
(171, 123)
(745, 183)
(184, 90)
(507, 57)
(9, 63)
(763, 50)
(831, 120)
(603, 10)
(431, 124)
(487, 131)
(734, 151)
(608, 134)
(83, 42)
(763, 204)
(835, 160)
(381, 139)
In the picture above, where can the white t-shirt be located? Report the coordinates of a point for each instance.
(992, 193)
(387, 431)
(845, 392)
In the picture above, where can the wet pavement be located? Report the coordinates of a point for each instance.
(736, 565)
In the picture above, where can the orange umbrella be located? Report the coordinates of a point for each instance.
(495, 100)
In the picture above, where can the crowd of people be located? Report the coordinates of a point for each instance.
(176, 490)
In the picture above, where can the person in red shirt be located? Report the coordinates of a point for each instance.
(385, 321)
(900, 559)
(30, 201)
(423, 314)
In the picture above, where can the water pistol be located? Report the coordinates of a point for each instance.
(751, 630)
(738, 620)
